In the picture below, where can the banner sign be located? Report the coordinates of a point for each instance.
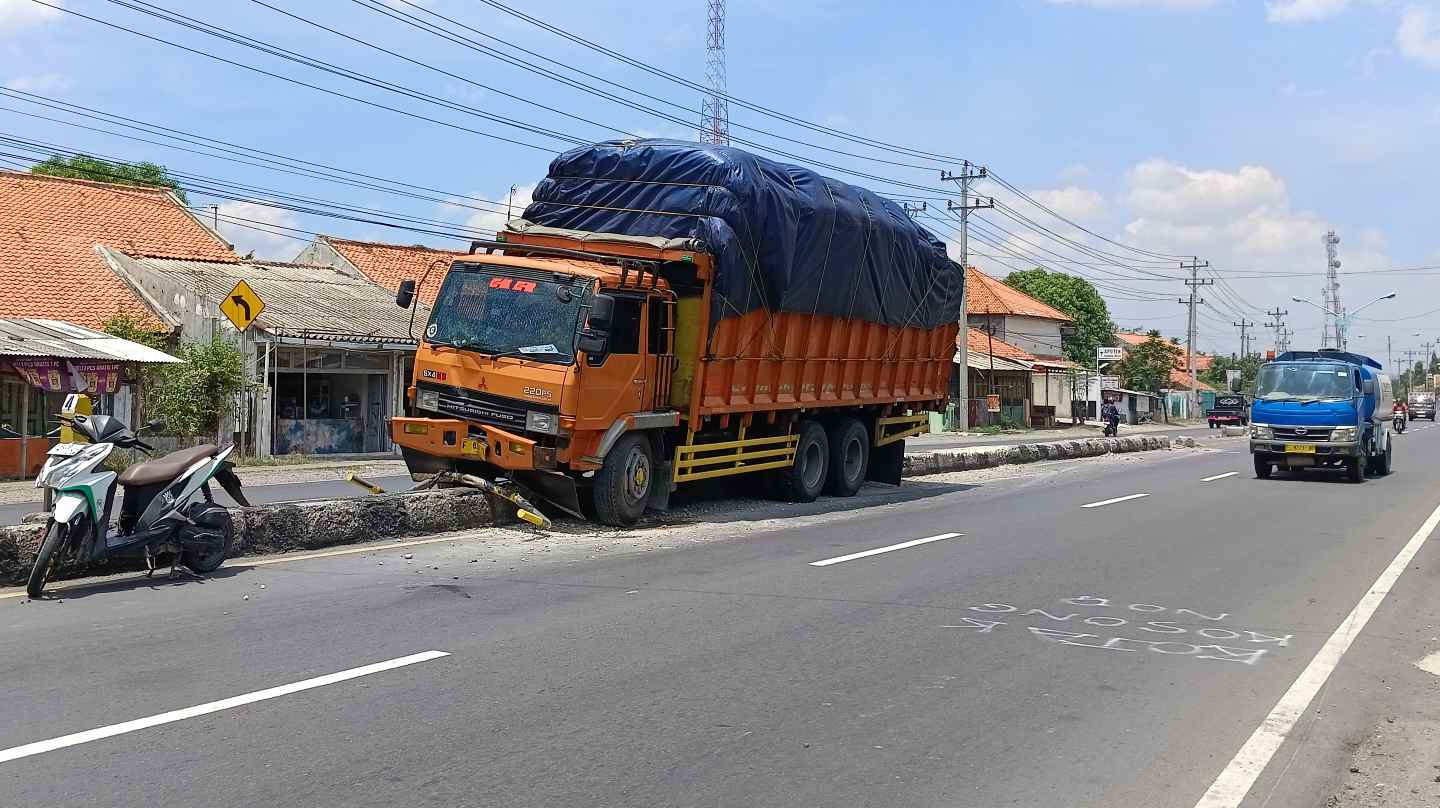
(61, 376)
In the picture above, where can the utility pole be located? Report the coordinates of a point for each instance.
(510, 203)
(963, 179)
(1244, 342)
(1194, 282)
(1282, 340)
(1425, 358)
(914, 210)
(1389, 355)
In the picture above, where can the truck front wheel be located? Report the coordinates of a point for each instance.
(1263, 467)
(1355, 469)
(804, 479)
(624, 481)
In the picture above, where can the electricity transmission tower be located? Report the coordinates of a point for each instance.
(715, 109)
(1332, 293)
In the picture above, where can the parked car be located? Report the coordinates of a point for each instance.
(1422, 405)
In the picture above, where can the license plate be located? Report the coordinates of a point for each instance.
(1299, 448)
(473, 446)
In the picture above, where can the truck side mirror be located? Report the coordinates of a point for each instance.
(595, 339)
(405, 295)
(602, 311)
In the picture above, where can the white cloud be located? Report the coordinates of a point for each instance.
(492, 221)
(1303, 10)
(1072, 202)
(17, 14)
(255, 228)
(43, 84)
(1418, 36)
(1166, 4)
(1075, 172)
(1165, 190)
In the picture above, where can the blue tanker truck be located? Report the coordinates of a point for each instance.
(1326, 408)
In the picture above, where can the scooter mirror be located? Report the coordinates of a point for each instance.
(153, 425)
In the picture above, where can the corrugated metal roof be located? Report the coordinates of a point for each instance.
(982, 362)
(300, 299)
(56, 338)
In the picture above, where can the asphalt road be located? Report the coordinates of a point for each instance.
(1139, 632)
(257, 494)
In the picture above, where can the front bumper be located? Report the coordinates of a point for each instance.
(1274, 450)
(451, 440)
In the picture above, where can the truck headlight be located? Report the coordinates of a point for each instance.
(428, 400)
(1261, 432)
(1343, 434)
(545, 422)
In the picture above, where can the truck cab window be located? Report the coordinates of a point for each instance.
(625, 327)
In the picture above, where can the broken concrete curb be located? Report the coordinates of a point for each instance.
(289, 526)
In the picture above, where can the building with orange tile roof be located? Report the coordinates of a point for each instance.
(383, 264)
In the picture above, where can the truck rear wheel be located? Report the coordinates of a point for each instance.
(623, 483)
(849, 457)
(805, 478)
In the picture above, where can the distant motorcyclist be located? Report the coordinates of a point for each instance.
(1111, 415)
(1401, 413)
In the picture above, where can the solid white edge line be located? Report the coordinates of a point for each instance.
(1115, 500)
(878, 550)
(1218, 477)
(1235, 782)
(74, 739)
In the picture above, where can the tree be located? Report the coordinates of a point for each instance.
(193, 396)
(1079, 300)
(84, 167)
(1147, 366)
(1248, 366)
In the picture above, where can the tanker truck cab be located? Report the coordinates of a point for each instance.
(511, 343)
(1326, 408)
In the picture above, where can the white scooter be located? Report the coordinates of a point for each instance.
(168, 512)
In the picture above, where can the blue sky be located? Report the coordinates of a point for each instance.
(1236, 130)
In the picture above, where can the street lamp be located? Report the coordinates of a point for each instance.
(1342, 321)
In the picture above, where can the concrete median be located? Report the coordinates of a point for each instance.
(286, 527)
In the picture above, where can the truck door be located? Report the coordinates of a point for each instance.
(615, 384)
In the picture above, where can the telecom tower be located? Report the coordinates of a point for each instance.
(1332, 293)
(715, 110)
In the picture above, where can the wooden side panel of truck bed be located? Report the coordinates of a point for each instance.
(780, 361)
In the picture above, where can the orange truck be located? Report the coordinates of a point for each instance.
(599, 371)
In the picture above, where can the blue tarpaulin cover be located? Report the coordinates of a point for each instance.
(784, 238)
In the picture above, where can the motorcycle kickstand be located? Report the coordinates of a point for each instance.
(149, 563)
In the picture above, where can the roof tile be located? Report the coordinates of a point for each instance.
(988, 295)
(979, 342)
(50, 228)
(389, 264)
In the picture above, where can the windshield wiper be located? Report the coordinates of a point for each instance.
(518, 353)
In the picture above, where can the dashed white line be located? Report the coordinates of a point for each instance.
(1215, 477)
(1105, 502)
(1235, 782)
(74, 739)
(878, 550)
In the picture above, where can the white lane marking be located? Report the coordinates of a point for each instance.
(1430, 664)
(1105, 502)
(1218, 477)
(74, 739)
(878, 550)
(1230, 788)
(238, 564)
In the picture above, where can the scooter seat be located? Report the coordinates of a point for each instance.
(164, 469)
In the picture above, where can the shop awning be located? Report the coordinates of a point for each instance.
(56, 339)
(983, 362)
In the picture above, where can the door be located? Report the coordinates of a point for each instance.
(616, 383)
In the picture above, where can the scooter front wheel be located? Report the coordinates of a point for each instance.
(47, 560)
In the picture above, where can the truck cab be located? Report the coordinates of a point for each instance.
(1325, 408)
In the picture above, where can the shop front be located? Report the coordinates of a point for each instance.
(333, 400)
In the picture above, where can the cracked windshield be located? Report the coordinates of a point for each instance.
(500, 314)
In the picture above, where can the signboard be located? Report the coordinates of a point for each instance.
(1232, 380)
(992, 403)
(60, 376)
(1109, 382)
(242, 306)
(1109, 354)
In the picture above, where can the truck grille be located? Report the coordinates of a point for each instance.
(486, 409)
(1299, 434)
